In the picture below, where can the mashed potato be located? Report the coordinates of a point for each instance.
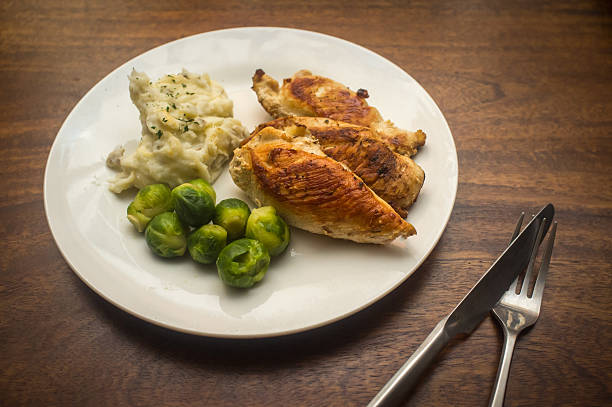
(187, 132)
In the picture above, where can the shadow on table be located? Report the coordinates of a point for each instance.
(277, 351)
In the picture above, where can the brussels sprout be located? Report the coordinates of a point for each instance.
(232, 215)
(194, 203)
(200, 183)
(205, 243)
(165, 235)
(269, 228)
(149, 201)
(243, 262)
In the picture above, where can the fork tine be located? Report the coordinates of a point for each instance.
(534, 253)
(538, 289)
(517, 229)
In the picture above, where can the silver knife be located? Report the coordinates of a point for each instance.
(469, 312)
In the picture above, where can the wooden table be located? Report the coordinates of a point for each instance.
(526, 88)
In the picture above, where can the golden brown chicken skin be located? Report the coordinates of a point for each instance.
(312, 191)
(393, 177)
(306, 94)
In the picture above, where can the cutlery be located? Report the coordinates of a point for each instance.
(516, 312)
(469, 312)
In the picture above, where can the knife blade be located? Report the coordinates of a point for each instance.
(470, 311)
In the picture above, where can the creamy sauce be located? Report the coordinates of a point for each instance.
(187, 131)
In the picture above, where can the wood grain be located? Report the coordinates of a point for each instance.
(526, 88)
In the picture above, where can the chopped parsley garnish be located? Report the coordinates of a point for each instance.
(173, 106)
(167, 108)
(186, 128)
(159, 133)
(164, 119)
(152, 127)
(184, 85)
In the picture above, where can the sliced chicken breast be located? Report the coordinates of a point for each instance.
(306, 94)
(393, 177)
(311, 191)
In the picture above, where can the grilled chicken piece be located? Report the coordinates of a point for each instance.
(288, 170)
(306, 94)
(394, 177)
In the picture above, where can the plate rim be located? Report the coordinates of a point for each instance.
(277, 333)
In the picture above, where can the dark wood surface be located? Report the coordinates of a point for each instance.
(527, 90)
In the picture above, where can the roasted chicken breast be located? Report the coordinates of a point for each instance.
(306, 94)
(311, 191)
(393, 177)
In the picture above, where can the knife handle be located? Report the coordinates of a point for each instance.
(407, 376)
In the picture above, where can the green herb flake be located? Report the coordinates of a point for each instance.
(159, 133)
(184, 85)
(173, 106)
(167, 108)
(164, 120)
(186, 128)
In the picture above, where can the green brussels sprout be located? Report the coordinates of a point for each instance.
(200, 183)
(205, 243)
(165, 235)
(149, 201)
(232, 215)
(243, 262)
(269, 228)
(193, 203)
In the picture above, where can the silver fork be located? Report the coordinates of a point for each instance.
(516, 312)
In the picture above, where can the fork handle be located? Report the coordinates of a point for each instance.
(499, 390)
(406, 377)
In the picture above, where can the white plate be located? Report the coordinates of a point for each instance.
(318, 280)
